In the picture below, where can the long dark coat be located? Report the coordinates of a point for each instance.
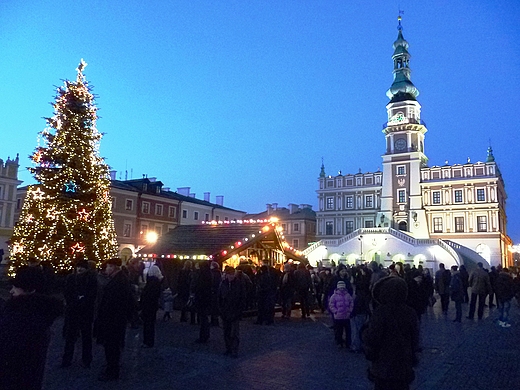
(24, 339)
(231, 299)
(391, 339)
(115, 309)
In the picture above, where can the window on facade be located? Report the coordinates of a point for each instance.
(401, 170)
(369, 181)
(158, 209)
(196, 215)
(369, 224)
(129, 204)
(146, 208)
(330, 203)
(329, 228)
(172, 212)
(295, 243)
(436, 197)
(349, 202)
(206, 217)
(127, 229)
(350, 182)
(437, 225)
(401, 196)
(226, 218)
(296, 227)
(459, 224)
(482, 223)
(481, 195)
(349, 227)
(184, 213)
(144, 229)
(330, 183)
(18, 203)
(217, 218)
(158, 230)
(369, 201)
(458, 196)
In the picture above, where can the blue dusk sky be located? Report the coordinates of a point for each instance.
(244, 98)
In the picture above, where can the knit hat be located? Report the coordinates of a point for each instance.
(341, 284)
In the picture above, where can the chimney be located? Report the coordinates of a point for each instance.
(206, 196)
(220, 200)
(183, 191)
(275, 206)
(306, 206)
(293, 208)
(269, 208)
(166, 189)
(191, 195)
(113, 174)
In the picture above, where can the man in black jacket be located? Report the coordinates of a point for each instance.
(80, 296)
(391, 339)
(115, 310)
(231, 303)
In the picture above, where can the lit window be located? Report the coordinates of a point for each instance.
(349, 202)
(330, 203)
(401, 170)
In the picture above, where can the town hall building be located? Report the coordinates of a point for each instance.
(410, 211)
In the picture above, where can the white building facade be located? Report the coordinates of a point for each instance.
(411, 212)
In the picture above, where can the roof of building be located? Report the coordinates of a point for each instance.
(284, 214)
(217, 241)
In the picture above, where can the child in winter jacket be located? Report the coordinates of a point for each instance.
(167, 303)
(341, 305)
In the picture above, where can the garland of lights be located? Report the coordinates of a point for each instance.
(67, 215)
(237, 244)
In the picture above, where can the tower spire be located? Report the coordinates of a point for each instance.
(402, 88)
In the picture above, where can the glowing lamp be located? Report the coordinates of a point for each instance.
(151, 237)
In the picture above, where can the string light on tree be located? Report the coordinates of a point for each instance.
(69, 211)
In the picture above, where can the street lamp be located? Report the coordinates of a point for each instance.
(151, 237)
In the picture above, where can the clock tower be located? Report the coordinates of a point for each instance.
(401, 199)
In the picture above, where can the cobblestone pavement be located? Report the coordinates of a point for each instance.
(298, 354)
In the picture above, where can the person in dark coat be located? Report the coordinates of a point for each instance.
(266, 287)
(493, 276)
(442, 286)
(216, 278)
(287, 289)
(25, 323)
(150, 304)
(201, 294)
(504, 290)
(183, 290)
(391, 339)
(231, 298)
(342, 274)
(480, 288)
(303, 285)
(456, 292)
(418, 293)
(115, 309)
(80, 294)
(464, 275)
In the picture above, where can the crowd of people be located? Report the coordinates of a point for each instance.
(372, 309)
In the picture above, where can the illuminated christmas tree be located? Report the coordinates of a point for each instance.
(68, 214)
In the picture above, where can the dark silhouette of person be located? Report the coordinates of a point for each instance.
(80, 294)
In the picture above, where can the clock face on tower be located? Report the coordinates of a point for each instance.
(400, 144)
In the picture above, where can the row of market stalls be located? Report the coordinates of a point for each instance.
(226, 242)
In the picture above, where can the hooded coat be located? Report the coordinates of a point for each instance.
(391, 339)
(25, 324)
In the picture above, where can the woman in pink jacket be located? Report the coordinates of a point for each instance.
(341, 305)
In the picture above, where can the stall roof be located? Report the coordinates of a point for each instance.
(217, 241)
